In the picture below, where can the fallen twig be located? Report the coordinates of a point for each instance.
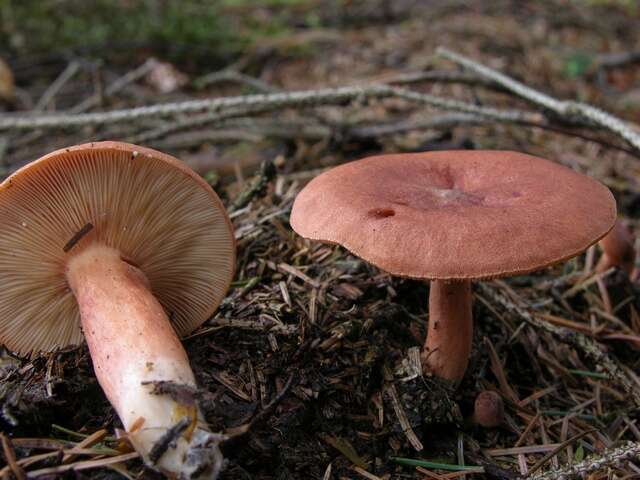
(90, 441)
(10, 457)
(275, 101)
(84, 465)
(558, 449)
(390, 390)
(262, 102)
(567, 109)
(593, 463)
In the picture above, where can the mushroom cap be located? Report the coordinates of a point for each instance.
(455, 215)
(488, 409)
(159, 214)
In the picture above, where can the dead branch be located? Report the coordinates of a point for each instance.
(593, 463)
(261, 102)
(567, 109)
(216, 110)
(267, 101)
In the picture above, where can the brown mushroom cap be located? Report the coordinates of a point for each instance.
(488, 409)
(457, 214)
(161, 216)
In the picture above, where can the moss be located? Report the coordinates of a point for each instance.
(200, 31)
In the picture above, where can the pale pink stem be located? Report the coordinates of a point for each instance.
(133, 346)
(448, 345)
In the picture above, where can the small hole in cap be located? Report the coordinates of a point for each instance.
(381, 212)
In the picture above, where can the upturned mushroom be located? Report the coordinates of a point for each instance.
(453, 217)
(129, 247)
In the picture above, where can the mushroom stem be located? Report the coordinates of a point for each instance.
(133, 347)
(448, 345)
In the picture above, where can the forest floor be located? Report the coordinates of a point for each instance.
(332, 334)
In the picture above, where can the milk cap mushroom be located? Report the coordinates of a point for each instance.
(129, 247)
(452, 217)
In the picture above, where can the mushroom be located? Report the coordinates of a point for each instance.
(618, 249)
(452, 217)
(489, 412)
(488, 409)
(130, 247)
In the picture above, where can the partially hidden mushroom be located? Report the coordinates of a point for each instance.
(488, 409)
(618, 250)
(127, 248)
(453, 217)
(489, 412)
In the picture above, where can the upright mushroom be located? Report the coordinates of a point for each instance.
(453, 217)
(130, 247)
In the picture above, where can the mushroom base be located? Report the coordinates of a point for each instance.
(448, 345)
(141, 364)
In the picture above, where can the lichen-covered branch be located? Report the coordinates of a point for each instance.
(261, 103)
(593, 463)
(567, 109)
(213, 110)
(329, 96)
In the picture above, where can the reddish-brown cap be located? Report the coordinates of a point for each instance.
(488, 409)
(160, 215)
(457, 214)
